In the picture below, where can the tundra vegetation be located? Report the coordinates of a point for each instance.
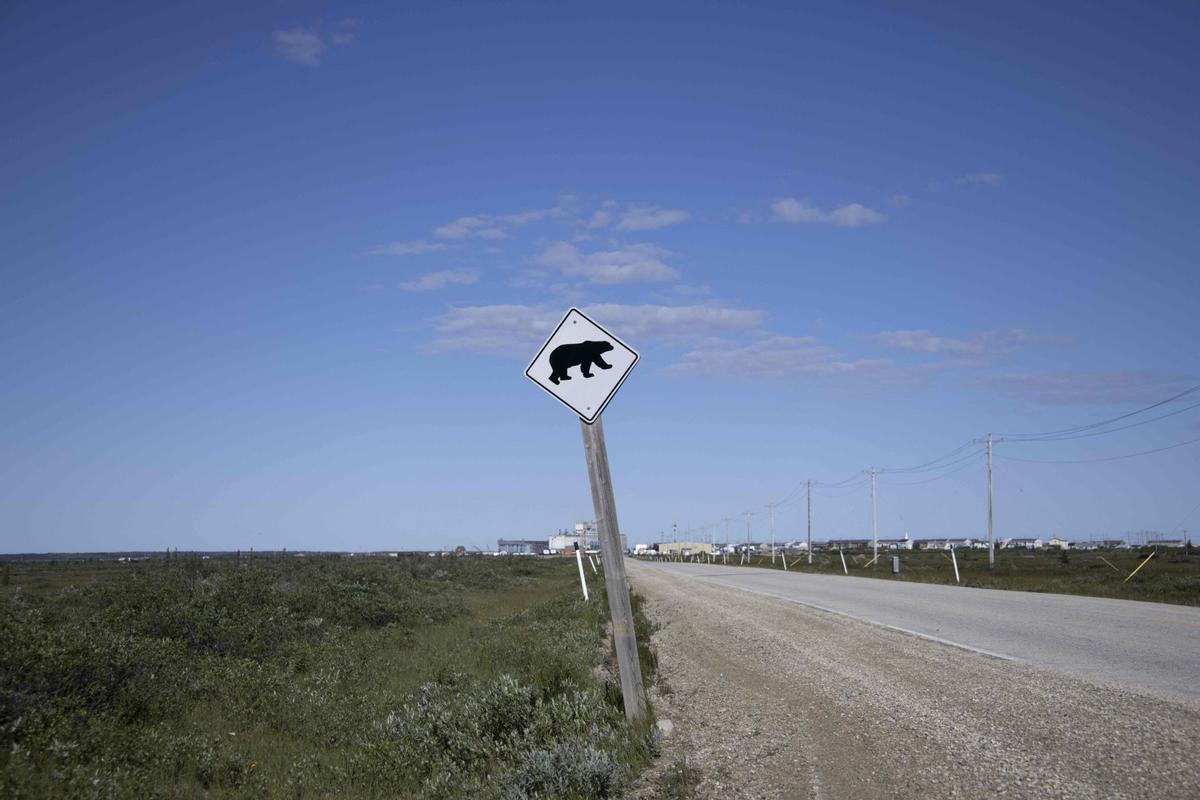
(1171, 576)
(311, 677)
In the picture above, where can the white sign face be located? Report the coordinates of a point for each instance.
(582, 365)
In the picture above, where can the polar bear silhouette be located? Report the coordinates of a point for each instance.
(580, 354)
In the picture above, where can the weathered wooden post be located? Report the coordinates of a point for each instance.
(619, 606)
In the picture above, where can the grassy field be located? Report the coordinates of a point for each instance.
(1172, 576)
(311, 677)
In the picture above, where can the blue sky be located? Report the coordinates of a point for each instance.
(271, 275)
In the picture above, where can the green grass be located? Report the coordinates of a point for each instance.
(314, 677)
(1172, 576)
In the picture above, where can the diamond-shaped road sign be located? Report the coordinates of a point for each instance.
(582, 365)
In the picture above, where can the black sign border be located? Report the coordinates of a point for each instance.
(636, 357)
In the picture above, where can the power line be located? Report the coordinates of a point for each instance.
(949, 463)
(928, 465)
(954, 471)
(1101, 424)
(959, 460)
(1113, 430)
(1097, 460)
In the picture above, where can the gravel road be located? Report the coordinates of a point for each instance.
(1150, 647)
(770, 699)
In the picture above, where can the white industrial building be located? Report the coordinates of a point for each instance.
(586, 535)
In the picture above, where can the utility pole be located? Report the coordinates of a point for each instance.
(874, 529)
(749, 514)
(727, 539)
(624, 637)
(809, 485)
(772, 507)
(989, 441)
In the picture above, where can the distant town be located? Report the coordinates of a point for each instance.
(585, 537)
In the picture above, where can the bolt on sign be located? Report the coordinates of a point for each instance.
(582, 365)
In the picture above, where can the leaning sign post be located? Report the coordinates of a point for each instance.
(582, 365)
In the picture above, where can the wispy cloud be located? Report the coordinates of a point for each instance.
(980, 178)
(301, 46)
(778, 357)
(412, 248)
(1087, 388)
(309, 46)
(480, 227)
(923, 341)
(441, 279)
(901, 200)
(345, 32)
(512, 330)
(628, 264)
(497, 226)
(854, 215)
(650, 218)
(988, 343)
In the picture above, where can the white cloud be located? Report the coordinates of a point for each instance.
(1087, 388)
(442, 279)
(980, 178)
(854, 215)
(650, 218)
(675, 324)
(498, 226)
(516, 330)
(600, 219)
(778, 357)
(481, 227)
(923, 341)
(406, 248)
(988, 343)
(627, 264)
(308, 46)
(300, 45)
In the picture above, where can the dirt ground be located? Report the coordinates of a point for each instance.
(768, 699)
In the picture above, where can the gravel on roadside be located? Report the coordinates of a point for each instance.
(769, 699)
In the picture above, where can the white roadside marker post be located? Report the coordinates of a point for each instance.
(582, 582)
(954, 560)
(593, 563)
(843, 555)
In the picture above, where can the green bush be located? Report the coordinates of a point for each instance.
(508, 740)
(274, 677)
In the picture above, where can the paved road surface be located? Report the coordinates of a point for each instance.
(773, 698)
(1151, 647)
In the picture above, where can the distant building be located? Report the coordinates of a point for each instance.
(586, 535)
(522, 547)
(847, 544)
(1166, 543)
(946, 544)
(1023, 544)
(1061, 544)
(684, 548)
(896, 544)
(1099, 544)
(562, 542)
